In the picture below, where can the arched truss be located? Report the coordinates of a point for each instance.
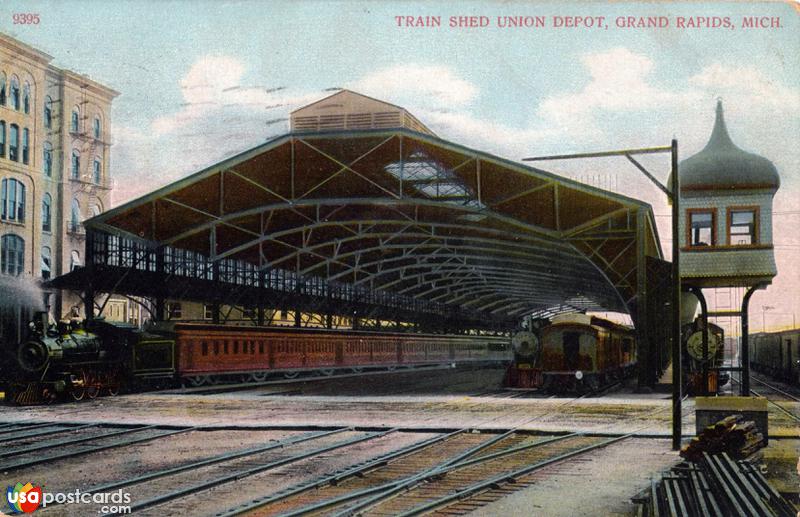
(409, 213)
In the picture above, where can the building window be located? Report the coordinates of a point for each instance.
(701, 230)
(13, 146)
(208, 311)
(47, 159)
(48, 113)
(74, 121)
(96, 171)
(12, 255)
(26, 98)
(12, 200)
(96, 127)
(174, 311)
(47, 216)
(74, 260)
(96, 210)
(14, 91)
(742, 226)
(2, 89)
(46, 263)
(75, 216)
(75, 171)
(26, 148)
(2, 138)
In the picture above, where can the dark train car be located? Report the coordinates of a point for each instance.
(777, 354)
(575, 352)
(213, 353)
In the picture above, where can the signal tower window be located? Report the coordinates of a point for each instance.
(701, 231)
(742, 227)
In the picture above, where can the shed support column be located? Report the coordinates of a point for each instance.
(260, 308)
(704, 319)
(88, 299)
(215, 304)
(328, 313)
(643, 350)
(745, 353)
(160, 302)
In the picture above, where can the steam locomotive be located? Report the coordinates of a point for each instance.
(76, 360)
(693, 360)
(98, 357)
(572, 352)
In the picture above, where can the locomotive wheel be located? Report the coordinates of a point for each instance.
(327, 372)
(258, 376)
(357, 369)
(290, 375)
(78, 393)
(92, 386)
(113, 390)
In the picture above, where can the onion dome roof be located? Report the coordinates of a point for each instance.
(723, 165)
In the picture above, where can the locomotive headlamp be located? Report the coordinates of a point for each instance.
(579, 375)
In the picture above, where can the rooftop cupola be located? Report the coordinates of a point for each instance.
(726, 214)
(722, 165)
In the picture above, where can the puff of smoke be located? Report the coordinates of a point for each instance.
(16, 291)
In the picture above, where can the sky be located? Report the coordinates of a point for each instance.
(203, 80)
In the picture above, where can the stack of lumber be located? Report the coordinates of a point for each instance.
(716, 485)
(733, 434)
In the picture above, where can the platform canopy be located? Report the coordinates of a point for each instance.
(409, 213)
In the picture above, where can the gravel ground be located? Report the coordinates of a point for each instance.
(423, 400)
(598, 484)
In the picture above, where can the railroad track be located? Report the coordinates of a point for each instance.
(430, 478)
(781, 393)
(28, 445)
(776, 390)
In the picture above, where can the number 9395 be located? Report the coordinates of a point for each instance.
(25, 18)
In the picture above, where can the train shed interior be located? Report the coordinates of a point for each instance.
(393, 223)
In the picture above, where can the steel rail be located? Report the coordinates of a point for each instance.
(71, 441)
(210, 461)
(248, 472)
(23, 423)
(97, 448)
(783, 409)
(510, 476)
(42, 433)
(388, 490)
(776, 390)
(335, 478)
(24, 427)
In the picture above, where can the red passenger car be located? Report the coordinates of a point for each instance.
(211, 353)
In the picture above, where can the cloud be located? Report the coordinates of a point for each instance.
(219, 116)
(435, 85)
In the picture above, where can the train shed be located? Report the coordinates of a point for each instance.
(363, 211)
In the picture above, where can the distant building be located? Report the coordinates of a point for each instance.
(54, 164)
